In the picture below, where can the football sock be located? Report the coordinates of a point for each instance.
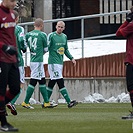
(44, 93)
(29, 93)
(16, 97)
(49, 90)
(65, 95)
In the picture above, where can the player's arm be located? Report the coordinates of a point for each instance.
(49, 40)
(45, 43)
(8, 49)
(126, 31)
(67, 53)
(22, 40)
(119, 32)
(123, 29)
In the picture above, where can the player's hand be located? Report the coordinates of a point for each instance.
(129, 17)
(74, 62)
(24, 50)
(9, 49)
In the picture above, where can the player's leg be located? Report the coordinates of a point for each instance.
(43, 90)
(129, 81)
(9, 73)
(50, 87)
(35, 75)
(63, 90)
(29, 93)
(52, 81)
(4, 68)
(65, 94)
(11, 105)
(13, 83)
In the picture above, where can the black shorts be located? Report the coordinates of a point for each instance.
(9, 75)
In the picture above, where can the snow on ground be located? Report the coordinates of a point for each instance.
(95, 98)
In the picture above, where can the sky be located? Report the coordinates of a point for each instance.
(92, 48)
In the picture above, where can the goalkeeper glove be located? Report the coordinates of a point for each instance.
(9, 49)
(129, 17)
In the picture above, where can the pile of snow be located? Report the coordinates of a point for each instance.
(33, 101)
(98, 98)
(95, 98)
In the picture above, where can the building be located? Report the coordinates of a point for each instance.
(53, 9)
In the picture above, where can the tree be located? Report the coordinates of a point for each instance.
(24, 8)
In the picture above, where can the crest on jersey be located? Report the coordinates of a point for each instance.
(13, 16)
(61, 50)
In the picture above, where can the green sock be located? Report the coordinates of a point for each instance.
(16, 97)
(29, 93)
(44, 93)
(65, 95)
(49, 90)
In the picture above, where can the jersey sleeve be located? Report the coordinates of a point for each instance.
(21, 38)
(49, 40)
(26, 39)
(125, 29)
(44, 35)
(67, 53)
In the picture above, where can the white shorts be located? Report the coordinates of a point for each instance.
(22, 74)
(55, 71)
(37, 70)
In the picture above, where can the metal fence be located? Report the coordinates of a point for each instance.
(82, 19)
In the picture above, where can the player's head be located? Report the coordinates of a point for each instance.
(39, 24)
(60, 26)
(16, 16)
(9, 3)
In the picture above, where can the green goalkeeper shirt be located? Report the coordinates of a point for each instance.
(37, 43)
(57, 47)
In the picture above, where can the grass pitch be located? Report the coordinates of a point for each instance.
(83, 118)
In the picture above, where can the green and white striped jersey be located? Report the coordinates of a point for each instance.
(57, 47)
(21, 43)
(37, 43)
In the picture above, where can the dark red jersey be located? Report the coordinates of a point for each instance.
(7, 34)
(126, 30)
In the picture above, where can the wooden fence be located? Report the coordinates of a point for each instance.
(101, 66)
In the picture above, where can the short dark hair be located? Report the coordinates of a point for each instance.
(38, 22)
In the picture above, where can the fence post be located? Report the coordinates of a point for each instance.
(82, 36)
